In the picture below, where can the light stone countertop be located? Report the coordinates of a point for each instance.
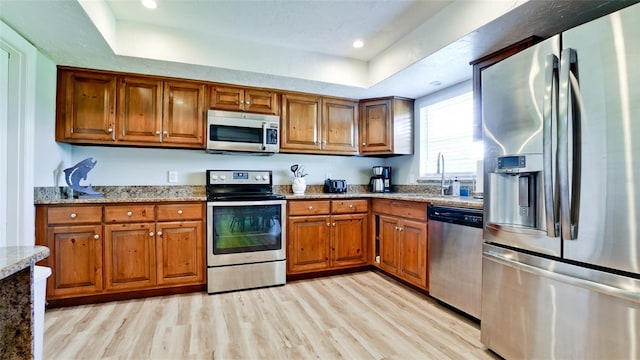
(128, 194)
(16, 258)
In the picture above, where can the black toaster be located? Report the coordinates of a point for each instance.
(335, 186)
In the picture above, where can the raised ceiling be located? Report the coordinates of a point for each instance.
(301, 45)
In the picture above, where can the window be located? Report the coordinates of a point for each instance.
(447, 128)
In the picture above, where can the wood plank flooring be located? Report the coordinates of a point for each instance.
(355, 316)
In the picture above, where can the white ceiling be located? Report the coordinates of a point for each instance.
(300, 45)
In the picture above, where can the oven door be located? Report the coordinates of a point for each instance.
(245, 232)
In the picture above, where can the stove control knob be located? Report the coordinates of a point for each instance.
(258, 177)
(222, 177)
(214, 177)
(265, 177)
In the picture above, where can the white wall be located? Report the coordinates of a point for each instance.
(138, 166)
(407, 168)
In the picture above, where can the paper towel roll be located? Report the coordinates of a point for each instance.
(479, 177)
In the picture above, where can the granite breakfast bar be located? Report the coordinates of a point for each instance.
(16, 300)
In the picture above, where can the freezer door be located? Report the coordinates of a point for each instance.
(607, 230)
(533, 308)
(513, 104)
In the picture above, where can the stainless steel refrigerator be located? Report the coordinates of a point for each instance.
(561, 259)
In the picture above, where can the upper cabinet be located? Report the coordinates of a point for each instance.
(96, 107)
(386, 126)
(244, 99)
(321, 125)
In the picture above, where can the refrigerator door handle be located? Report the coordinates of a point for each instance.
(569, 185)
(628, 295)
(550, 107)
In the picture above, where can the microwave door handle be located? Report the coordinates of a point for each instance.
(569, 183)
(550, 107)
(264, 135)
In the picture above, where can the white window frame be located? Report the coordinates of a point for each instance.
(444, 95)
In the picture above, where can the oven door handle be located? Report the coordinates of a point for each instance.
(245, 203)
(264, 135)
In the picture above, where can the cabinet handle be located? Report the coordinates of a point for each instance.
(350, 206)
(180, 212)
(364, 144)
(165, 133)
(328, 224)
(129, 213)
(110, 130)
(159, 233)
(157, 132)
(241, 101)
(310, 207)
(400, 229)
(73, 215)
(151, 233)
(248, 103)
(334, 224)
(96, 236)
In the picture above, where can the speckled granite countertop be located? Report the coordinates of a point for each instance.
(16, 258)
(122, 194)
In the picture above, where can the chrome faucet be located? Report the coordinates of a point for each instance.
(444, 189)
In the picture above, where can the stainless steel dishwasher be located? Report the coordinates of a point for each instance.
(455, 257)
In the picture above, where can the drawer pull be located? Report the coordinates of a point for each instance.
(180, 212)
(96, 236)
(129, 213)
(350, 206)
(310, 207)
(73, 215)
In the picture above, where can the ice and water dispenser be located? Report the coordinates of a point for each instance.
(516, 191)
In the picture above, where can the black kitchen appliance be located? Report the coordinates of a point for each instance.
(335, 186)
(381, 179)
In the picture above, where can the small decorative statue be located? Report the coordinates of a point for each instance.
(78, 172)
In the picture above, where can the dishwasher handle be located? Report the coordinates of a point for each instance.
(455, 215)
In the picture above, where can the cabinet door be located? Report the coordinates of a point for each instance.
(85, 106)
(340, 126)
(376, 126)
(180, 252)
(388, 244)
(183, 114)
(308, 243)
(226, 98)
(413, 252)
(139, 109)
(129, 256)
(261, 101)
(75, 260)
(300, 122)
(348, 239)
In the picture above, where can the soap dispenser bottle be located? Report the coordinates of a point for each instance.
(456, 187)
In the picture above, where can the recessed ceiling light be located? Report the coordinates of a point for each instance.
(149, 4)
(358, 44)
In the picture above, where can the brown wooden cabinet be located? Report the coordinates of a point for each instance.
(144, 247)
(386, 126)
(401, 240)
(321, 125)
(149, 111)
(326, 234)
(244, 99)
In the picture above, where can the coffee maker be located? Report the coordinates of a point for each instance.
(381, 179)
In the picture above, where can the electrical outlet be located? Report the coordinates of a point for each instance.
(173, 176)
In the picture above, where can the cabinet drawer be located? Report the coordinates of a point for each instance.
(315, 207)
(179, 212)
(349, 206)
(74, 215)
(406, 209)
(128, 213)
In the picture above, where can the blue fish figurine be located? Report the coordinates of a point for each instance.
(78, 172)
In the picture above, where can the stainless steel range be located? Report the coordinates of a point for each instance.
(246, 236)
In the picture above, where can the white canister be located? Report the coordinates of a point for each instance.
(299, 185)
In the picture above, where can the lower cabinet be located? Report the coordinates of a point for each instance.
(121, 248)
(326, 234)
(401, 240)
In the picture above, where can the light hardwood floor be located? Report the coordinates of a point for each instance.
(356, 316)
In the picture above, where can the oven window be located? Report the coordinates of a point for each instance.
(239, 134)
(239, 229)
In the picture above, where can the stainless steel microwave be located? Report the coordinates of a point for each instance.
(229, 132)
